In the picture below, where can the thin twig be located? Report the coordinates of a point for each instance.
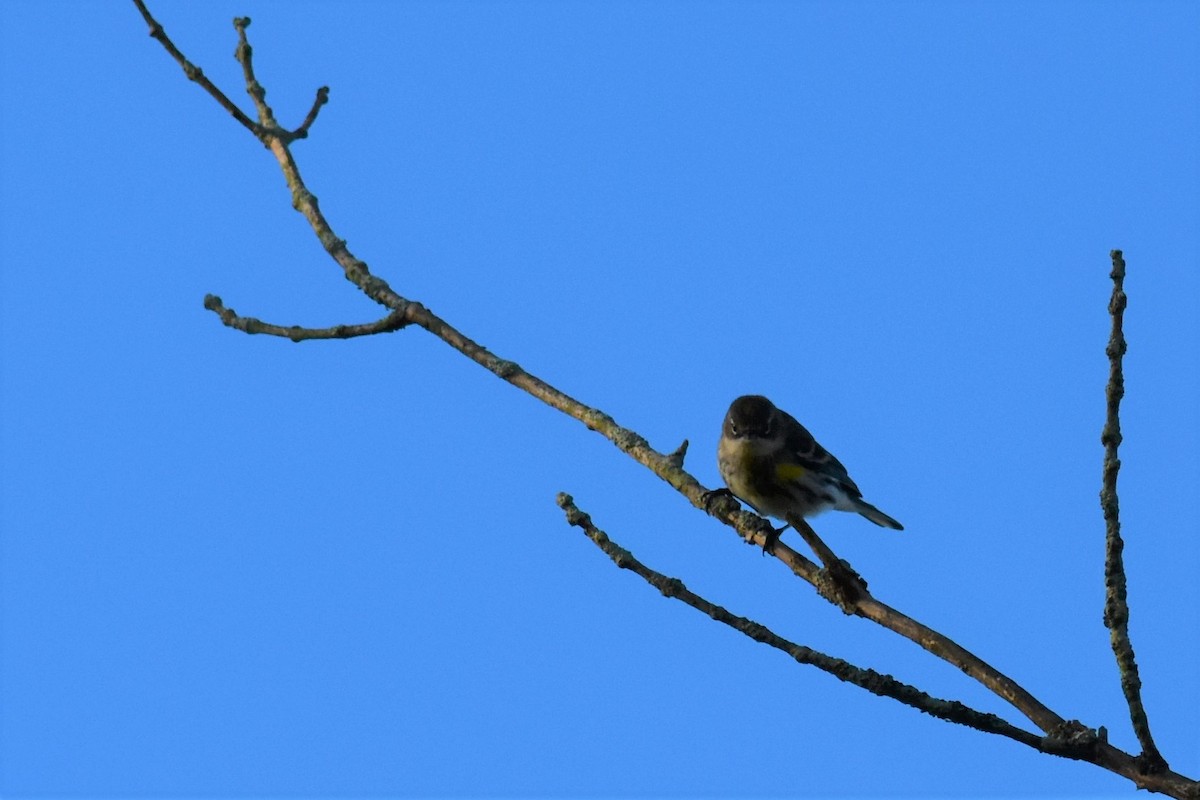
(392, 322)
(244, 53)
(193, 72)
(1116, 609)
(321, 99)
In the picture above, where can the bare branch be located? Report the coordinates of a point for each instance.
(1066, 738)
(321, 99)
(193, 72)
(869, 679)
(258, 94)
(841, 585)
(1116, 609)
(948, 650)
(392, 322)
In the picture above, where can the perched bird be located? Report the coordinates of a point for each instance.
(769, 460)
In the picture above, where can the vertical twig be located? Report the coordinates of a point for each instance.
(1116, 609)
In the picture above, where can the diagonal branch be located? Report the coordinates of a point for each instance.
(193, 72)
(1067, 738)
(855, 599)
(1116, 609)
(869, 679)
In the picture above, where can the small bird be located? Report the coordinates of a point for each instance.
(770, 461)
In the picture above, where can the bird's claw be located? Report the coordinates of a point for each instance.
(772, 538)
(712, 494)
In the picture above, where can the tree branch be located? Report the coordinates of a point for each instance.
(321, 99)
(1064, 738)
(392, 322)
(1116, 609)
(862, 603)
(193, 72)
(869, 679)
(1067, 738)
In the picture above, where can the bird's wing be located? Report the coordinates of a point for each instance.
(810, 455)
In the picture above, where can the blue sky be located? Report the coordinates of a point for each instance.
(235, 565)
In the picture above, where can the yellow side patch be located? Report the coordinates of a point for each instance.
(789, 472)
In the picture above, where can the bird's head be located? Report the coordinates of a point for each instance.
(751, 416)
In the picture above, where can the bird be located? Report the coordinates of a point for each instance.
(772, 463)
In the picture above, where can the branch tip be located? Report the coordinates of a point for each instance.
(392, 322)
(676, 458)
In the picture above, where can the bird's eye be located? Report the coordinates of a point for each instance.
(733, 430)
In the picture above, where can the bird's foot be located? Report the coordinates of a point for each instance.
(770, 539)
(712, 494)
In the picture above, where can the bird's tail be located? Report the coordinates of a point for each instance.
(875, 515)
